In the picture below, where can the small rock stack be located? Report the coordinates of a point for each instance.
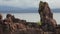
(48, 23)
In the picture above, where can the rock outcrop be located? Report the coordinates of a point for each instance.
(12, 25)
(48, 23)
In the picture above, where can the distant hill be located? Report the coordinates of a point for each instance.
(8, 9)
(56, 10)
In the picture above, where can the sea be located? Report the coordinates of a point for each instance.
(32, 17)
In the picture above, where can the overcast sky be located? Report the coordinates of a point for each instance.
(29, 3)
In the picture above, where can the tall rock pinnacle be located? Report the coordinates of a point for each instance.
(46, 16)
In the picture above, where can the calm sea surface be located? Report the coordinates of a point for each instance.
(32, 17)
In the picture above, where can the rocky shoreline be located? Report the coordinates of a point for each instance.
(12, 25)
(17, 26)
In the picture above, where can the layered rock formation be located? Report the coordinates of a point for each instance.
(12, 25)
(48, 23)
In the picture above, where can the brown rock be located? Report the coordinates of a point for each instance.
(48, 23)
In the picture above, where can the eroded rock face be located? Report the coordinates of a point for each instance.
(48, 23)
(1, 22)
(12, 25)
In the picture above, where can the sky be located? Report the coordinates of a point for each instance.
(29, 3)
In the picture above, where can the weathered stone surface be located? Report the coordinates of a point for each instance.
(12, 25)
(48, 23)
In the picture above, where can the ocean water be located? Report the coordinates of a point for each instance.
(32, 17)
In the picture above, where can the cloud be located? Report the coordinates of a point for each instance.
(20, 3)
(53, 3)
(29, 3)
(6, 0)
